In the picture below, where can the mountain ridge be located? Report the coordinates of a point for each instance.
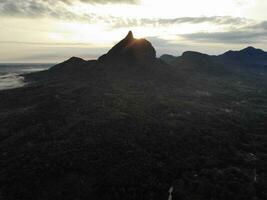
(246, 49)
(132, 51)
(137, 58)
(248, 57)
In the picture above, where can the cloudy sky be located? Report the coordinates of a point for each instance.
(53, 30)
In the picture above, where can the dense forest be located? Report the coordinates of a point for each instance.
(132, 126)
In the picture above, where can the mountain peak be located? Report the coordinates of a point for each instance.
(130, 50)
(246, 53)
(130, 36)
(252, 50)
(193, 54)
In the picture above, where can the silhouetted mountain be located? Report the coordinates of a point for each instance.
(248, 56)
(168, 58)
(130, 50)
(131, 59)
(73, 67)
(195, 61)
(68, 64)
(250, 59)
(129, 126)
(195, 58)
(192, 57)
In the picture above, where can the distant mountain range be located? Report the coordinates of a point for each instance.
(248, 57)
(133, 126)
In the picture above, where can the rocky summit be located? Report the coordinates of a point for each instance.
(131, 50)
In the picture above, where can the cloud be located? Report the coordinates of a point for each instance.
(104, 1)
(26, 8)
(237, 31)
(42, 8)
(248, 34)
(61, 9)
(39, 8)
(238, 37)
(197, 20)
(259, 26)
(219, 20)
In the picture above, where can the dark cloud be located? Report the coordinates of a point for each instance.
(39, 8)
(104, 1)
(248, 34)
(26, 8)
(237, 37)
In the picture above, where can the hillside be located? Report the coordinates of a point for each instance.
(130, 126)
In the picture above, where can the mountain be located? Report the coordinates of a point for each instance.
(197, 62)
(189, 58)
(131, 50)
(249, 53)
(130, 126)
(249, 60)
(167, 58)
(249, 56)
(130, 59)
(194, 58)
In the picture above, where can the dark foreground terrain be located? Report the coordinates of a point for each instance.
(131, 126)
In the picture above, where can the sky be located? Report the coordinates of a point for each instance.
(51, 31)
